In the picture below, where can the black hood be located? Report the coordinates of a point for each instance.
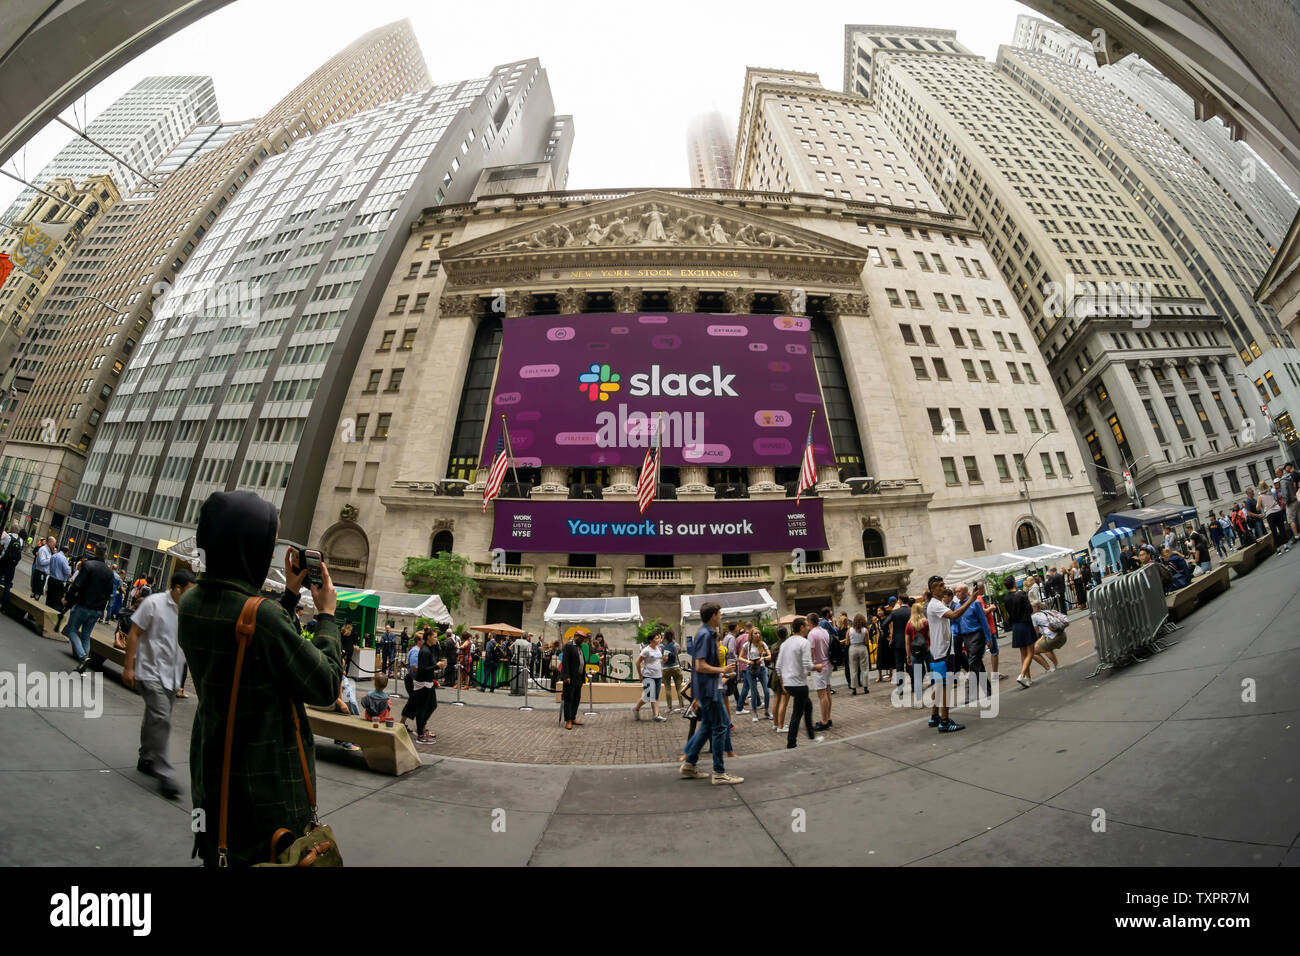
(237, 532)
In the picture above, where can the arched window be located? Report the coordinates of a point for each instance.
(442, 541)
(1027, 536)
(873, 543)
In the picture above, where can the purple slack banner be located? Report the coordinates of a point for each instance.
(587, 390)
(726, 525)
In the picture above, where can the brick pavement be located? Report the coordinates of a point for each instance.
(612, 737)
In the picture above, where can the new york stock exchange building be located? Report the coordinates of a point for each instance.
(728, 329)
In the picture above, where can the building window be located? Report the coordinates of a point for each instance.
(972, 469)
(986, 416)
(381, 426)
(373, 384)
(395, 379)
(919, 369)
(909, 337)
(387, 342)
(950, 471)
(362, 422)
(1210, 490)
(400, 305)
(1004, 473)
(1072, 522)
(1046, 459)
(977, 537)
(421, 299)
(1185, 493)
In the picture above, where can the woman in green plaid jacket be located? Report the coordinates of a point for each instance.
(236, 536)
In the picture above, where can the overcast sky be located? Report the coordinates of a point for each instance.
(631, 74)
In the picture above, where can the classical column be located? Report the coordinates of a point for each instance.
(847, 303)
(1223, 431)
(762, 483)
(1158, 404)
(518, 304)
(622, 482)
(739, 301)
(684, 299)
(554, 486)
(570, 301)
(694, 482)
(1185, 404)
(626, 299)
(1128, 405)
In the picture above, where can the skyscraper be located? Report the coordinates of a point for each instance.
(139, 129)
(378, 67)
(709, 150)
(1135, 349)
(1218, 205)
(41, 243)
(239, 380)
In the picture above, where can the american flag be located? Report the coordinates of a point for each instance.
(498, 472)
(808, 470)
(648, 483)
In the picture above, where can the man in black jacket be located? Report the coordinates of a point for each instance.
(573, 669)
(11, 551)
(86, 598)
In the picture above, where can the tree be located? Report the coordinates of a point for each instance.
(443, 575)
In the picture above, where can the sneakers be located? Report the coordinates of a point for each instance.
(351, 748)
(726, 779)
(950, 726)
(660, 718)
(934, 720)
(1023, 681)
(995, 676)
(783, 730)
(688, 770)
(741, 712)
(819, 727)
(818, 739)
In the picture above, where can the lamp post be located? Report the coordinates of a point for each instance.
(1024, 474)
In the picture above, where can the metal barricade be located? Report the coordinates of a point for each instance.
(1129, 617)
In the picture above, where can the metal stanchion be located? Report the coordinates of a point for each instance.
(527, 679)
(591, 698)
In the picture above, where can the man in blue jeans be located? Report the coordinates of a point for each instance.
(705, 686)
(86, 598)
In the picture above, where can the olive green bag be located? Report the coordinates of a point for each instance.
(318, 845)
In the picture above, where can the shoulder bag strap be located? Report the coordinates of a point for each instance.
(244, 634)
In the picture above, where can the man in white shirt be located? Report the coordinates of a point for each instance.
(154, 663)
(940, 617)
(41, 566)
(795, 663)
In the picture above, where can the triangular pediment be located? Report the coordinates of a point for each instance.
(650, 223)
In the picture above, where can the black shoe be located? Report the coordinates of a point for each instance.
(934, 720)
(789, 746)
(170, 790)
(145, 767)
(828, 725)
(818, 727)
(950, 727)
(855, 693)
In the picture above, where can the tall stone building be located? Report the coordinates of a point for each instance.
(906, 384)
(132, 134)
(238, 381)
(41, 242)
(1216, 203)
(710, 151)
(378, 67)
(1135, 350)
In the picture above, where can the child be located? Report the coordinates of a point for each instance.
(347, 704)
(375, 704)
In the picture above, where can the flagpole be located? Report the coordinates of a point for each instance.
(659, 448)
(510, 452)
(807, 441)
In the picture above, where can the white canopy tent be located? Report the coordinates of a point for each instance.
(399, 604)
(968, 570)
(734, 604)
(610, 610)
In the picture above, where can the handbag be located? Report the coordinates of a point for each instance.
(318, 845)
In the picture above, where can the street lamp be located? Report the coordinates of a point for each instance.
(1024, 473)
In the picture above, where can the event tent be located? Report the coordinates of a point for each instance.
(1109, 542)
(734, 604)
(972, 569)
(1143, 517)
(608, 610)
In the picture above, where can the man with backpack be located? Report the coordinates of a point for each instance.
(11, 551)
(86, 598)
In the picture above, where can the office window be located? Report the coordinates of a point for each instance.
(400, 305)
(987, 368)
(927, 335)
(936, 420)
(1047, 420)
(362, 422)
(1007, 425)
(950, 471)
(1004, 473)
(894, 298)
(940, 370)
(977, 537)
(1064, 463)
(956, 337)
(913, 299)
(1046, 460)
(372, 385)
(1072, 522)
(1029, 373)
(909, 337)
(919, 369)
(408, 339)
(1033, 420)
(421, 300)
(986, 416)
(1234, 483)
(958, 420)
(969, 367)
(1020, 466)
(1210, 488)
(1185, 493)
(972, 469)
(395, 379)
(387, 342)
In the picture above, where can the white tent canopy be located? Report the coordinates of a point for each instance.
(610, 610)
(973, 569)
(400, 604)
(734, 604)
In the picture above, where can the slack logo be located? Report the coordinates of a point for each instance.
(702, 384)
(598, 382)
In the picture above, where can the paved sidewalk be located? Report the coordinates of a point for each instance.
(1184, 770)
